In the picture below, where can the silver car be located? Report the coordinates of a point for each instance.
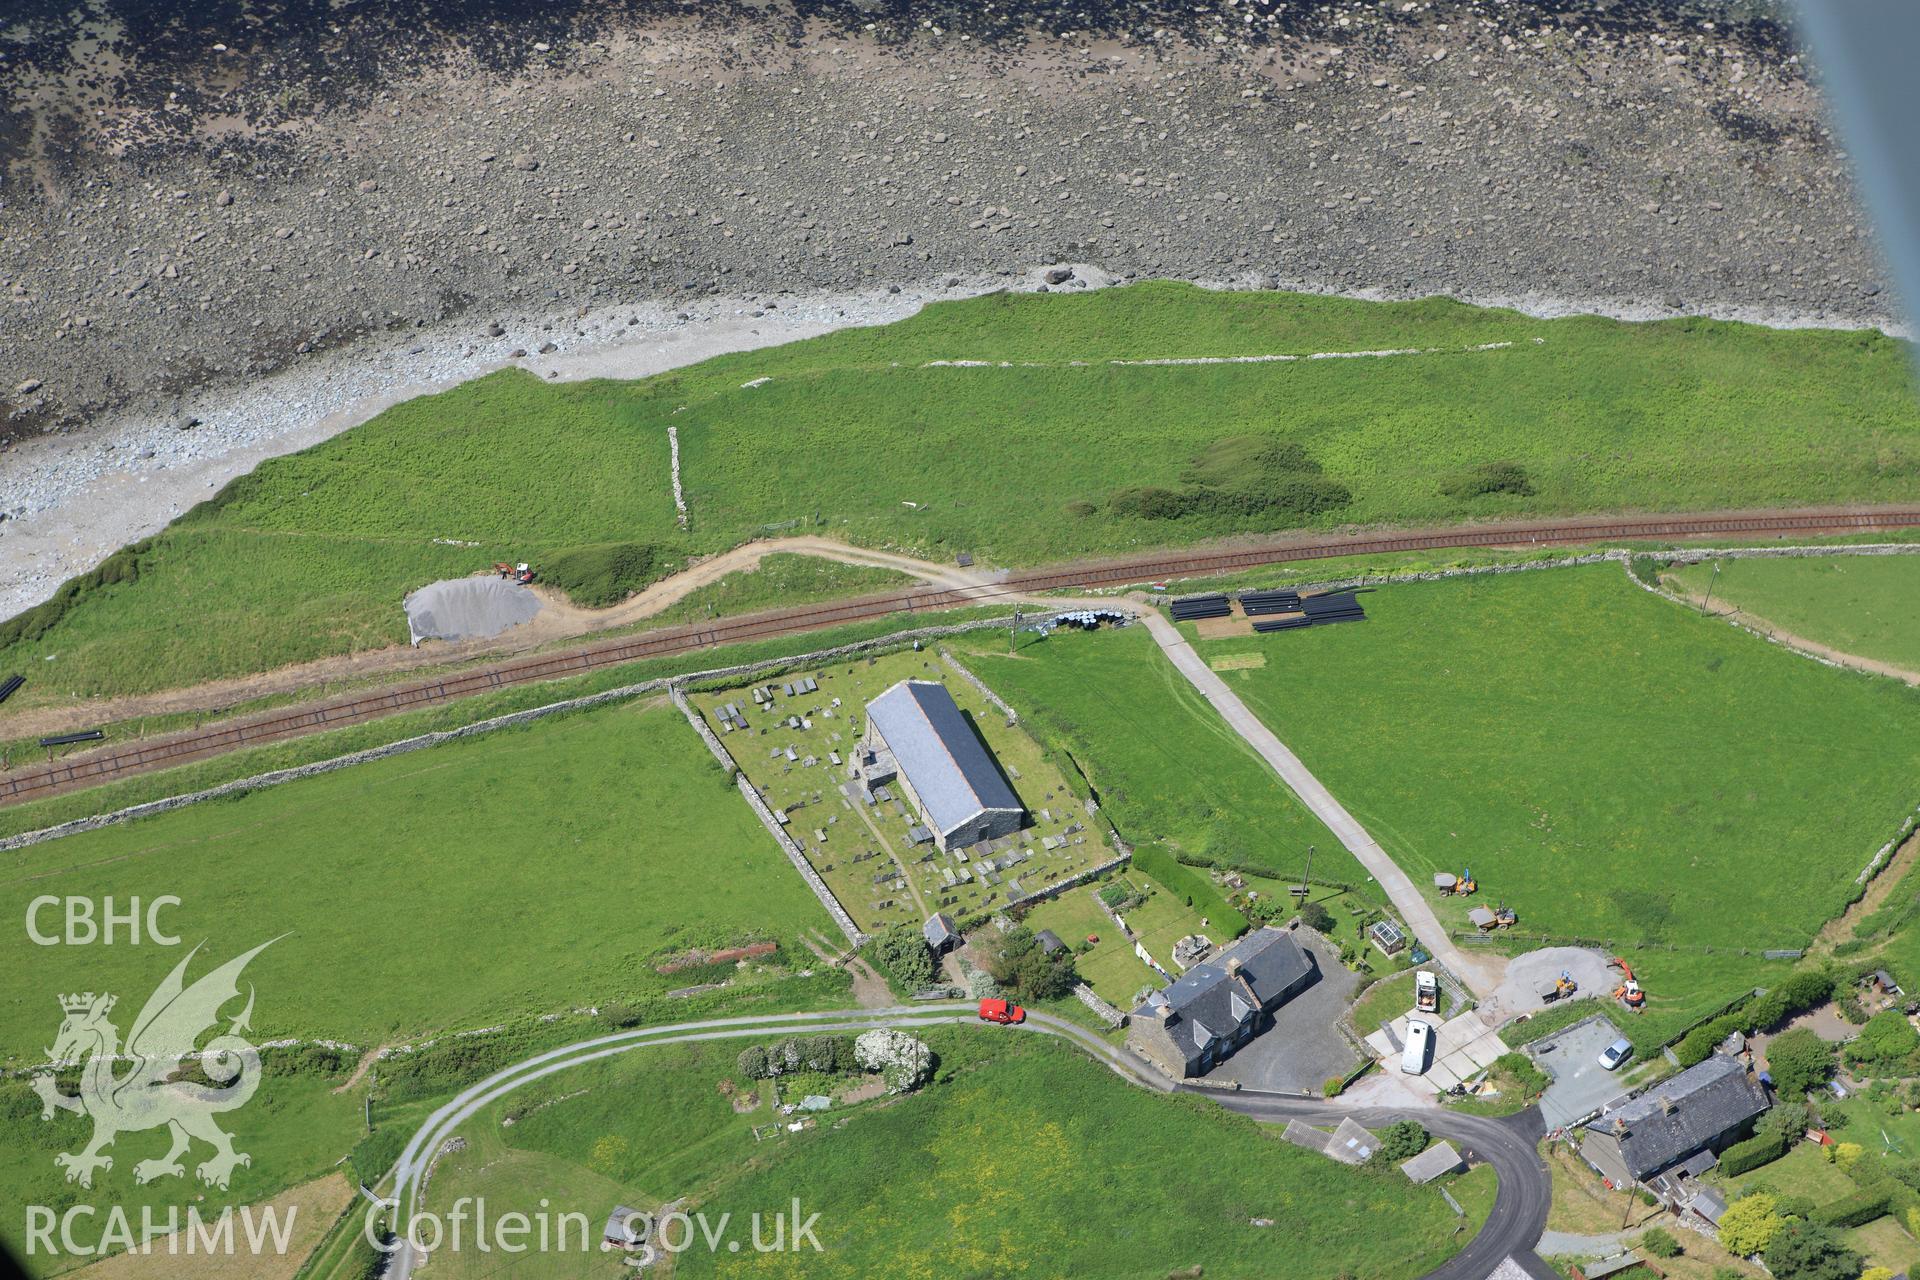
(1615, 1054)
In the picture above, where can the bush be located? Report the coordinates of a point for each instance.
(1749, 1225)
(1401, 1140)
(1744, 1157)
(904, 1063)
(619, 1014)
(1334, 1086)
(1659, 1242)
(603, 573)
(1885, 1040)
(827, 1055)
(1852, 1210)
(1795, 1207)
(1799, 1062)
(1016, 962)
(1239, 478)
(1488, 478)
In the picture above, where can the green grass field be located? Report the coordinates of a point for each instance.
(523, 871)
(1610, 764)
(981, 1168)
(1865, 605)
(856, 435)
(1164, 764)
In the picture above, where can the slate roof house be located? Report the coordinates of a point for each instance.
(916, 729)
(1214, 1008)
(940, 933)
(1669, 1135)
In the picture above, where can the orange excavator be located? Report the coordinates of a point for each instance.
(1628, 993)
(520, 573)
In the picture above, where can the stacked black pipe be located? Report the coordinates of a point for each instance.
(1192, 608)
(1341, 607)
(1256, 603)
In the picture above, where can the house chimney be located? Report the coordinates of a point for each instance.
(1620, 1126)
(1666, 1105)
(1234, 966)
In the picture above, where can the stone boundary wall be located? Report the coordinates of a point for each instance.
(294, 773)
(1073, 881)
(679, 498)
(1101, 1009)
(799, 860)
(980, 685)
(767, 819)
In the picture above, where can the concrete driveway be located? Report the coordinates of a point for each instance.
(1581, 1086)
(1304, 1046)
(1462, 1048)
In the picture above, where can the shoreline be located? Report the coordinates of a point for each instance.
(70, 501)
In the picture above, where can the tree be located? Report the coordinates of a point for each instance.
(1017, 963)
(1659, 1242)
(902, 951)
(1401, 1140)
(1807, 1251)
(1749, 1225)
(1788, 1118)
(1877, 1273)
(1315, 916)
(1799, 1061)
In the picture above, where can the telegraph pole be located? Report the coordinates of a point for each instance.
(1711, 583)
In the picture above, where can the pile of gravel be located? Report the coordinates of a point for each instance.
(468, 609)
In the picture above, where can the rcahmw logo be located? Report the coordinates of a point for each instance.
(263, 1229)
(145, 1083)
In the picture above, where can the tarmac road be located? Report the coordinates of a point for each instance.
(1512, 1228)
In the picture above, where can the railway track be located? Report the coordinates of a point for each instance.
(104, 765)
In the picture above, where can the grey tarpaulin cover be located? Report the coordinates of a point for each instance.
(468, 608)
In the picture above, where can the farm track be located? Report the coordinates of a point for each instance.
(105, 765)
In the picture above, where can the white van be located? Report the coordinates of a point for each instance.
(1413, 1059)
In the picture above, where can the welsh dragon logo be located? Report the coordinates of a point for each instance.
(151, 1091)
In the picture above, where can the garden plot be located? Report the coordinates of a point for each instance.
(1111, 966)
(795, 741)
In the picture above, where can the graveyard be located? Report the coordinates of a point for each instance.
(794, 737)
